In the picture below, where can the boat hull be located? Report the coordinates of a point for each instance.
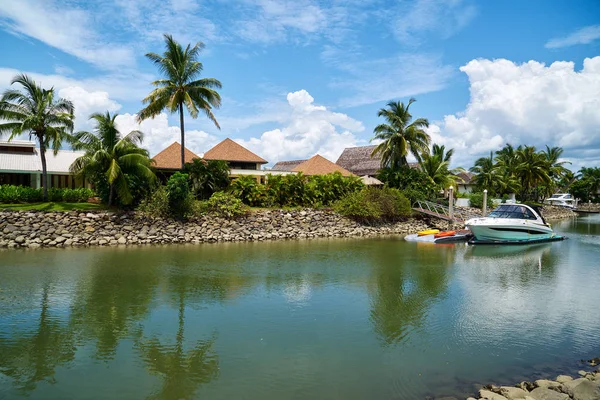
(510, 232)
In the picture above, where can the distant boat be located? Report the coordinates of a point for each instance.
(511, 223)
(561, 199)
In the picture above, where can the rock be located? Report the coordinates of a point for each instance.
(512, 393)
(489, 395)
(542, 393)
(586, 390)
(582, 373)
(20, 239)
(122, 240)
(68, 242)
(102, 242)
(34, 245)
(563, 378)
(60, 239)
(527, 386)
(571, 385)
(545, 383)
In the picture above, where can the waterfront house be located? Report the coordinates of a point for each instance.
(465, 183)
(168, 161)
(360, 161)
(20, 164)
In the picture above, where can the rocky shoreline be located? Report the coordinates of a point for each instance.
(585, 386)
(22, 229)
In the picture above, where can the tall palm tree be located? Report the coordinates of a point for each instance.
(109, 154)
(35, 111)
(399, 135)
(532, 170)
(506, 160)
(181, 86)
(557, 168)
(485, 172)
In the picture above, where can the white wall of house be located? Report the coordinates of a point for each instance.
(462, 188)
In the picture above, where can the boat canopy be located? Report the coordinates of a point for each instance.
(516, 211)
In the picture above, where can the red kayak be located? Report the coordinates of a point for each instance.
(444, 234)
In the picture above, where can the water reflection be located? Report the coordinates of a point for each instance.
(31, 355)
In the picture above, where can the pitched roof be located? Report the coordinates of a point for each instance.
(466, 177)
(228, 150)
(286, 165)
(359, 161)
(170, 158)
(318, 165)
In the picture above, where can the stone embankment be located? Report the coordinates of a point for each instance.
(76, 229)
(586, 386)
(556, 212)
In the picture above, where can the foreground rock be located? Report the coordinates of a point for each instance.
(585, 387)
(22, 229)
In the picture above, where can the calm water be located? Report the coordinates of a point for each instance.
(347, 319)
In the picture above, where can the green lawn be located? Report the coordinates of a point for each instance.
(52, 207)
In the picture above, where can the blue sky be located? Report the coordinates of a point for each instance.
(306, 76)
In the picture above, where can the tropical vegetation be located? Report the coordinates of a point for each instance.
(39, 113)
(587, 187)
(181, 86)
(436, 166)
(207, 177)
(118, 167)
(399, 136)
(372, 204)
(25, 194)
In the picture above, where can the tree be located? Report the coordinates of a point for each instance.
(532, 170)
(35, 111)
(485, 172)
(110, 157)
(208, 176)
(181, 69)
(399, 136)
(437, 167)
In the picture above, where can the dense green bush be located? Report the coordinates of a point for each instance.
(25, 194)
(374, 204)
(225, 205)
(413, 182)
(157, 204)
(180, 198)
(207, 177)
(251, 192)
(476, 200)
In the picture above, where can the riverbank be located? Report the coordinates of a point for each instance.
(585, 386)
(19, 229)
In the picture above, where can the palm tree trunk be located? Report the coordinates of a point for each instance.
(111, 194)
(44, 169)
(182, 136)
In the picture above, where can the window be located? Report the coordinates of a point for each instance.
(512, 211)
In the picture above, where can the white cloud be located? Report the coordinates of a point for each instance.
(158, 134)
(87, 103)
(528, 103)
(123, 86)
(68, 29)
(584, 35)
(442, 17)
(310, 129)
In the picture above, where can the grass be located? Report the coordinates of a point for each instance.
(49, 206)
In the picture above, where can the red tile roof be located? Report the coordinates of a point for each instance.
(228, 150)
(170, 158)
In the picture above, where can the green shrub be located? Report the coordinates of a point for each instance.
(476, 200)
(157, 204)
(9, 194)
(207, 176)
(178, 191)
(226, 205)
(25, 194)
(199, 208)
(374, 204)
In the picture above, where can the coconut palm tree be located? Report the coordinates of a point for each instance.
(181, 86)
(399, 135)
(532, 170)
(37, 112)
(485, 172)
(437, 167)
(110, 156)
(506, 160)
(557, 168)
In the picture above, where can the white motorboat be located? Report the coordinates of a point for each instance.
(561, 199)
(511, 223)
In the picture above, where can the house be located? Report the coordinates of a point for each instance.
(168, 161)
(360, 161)
(316, 165)
(20, 164)
(465, 182)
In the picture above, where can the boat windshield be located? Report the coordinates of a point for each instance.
(512, 211)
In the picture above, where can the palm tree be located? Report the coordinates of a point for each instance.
(36, 111)
(437, 167)
(485, 172)
(399, 136)
(532, 169)
(557, 168)
(111, 157)
(506, 160)
(181, 86)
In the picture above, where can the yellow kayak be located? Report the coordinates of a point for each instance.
(429, 232)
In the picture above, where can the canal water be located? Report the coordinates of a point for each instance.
(337, 319)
